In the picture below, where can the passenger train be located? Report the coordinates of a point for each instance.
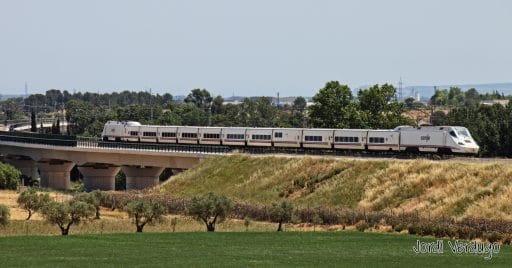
(434, 139)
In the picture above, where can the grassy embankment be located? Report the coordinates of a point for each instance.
(347, 249)
(439, 188)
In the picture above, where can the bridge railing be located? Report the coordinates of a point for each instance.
(36, 138)
(93, 142)
(155, 147)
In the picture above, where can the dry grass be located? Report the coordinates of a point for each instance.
(437, 188)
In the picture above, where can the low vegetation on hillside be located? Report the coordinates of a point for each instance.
(431, 188)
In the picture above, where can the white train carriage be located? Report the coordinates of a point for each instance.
(383, 140)
(317, 138)
(234, 136)
(210, 135)
(188, 135)
(167, 134)
(287, 137)
(132, 132)
(259, 136)
(148, 134)
(350, 139)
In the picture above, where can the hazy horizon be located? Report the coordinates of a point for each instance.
(250, 48)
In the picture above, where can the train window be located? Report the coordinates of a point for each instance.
(149, 134)
(188, 135)
(313, 138)
(169, 134)
(376, 140)
(211, 136)
(346, 139)
(235, 136)
(278, 134)
(453, 134)
(261, 137)
(134, 133)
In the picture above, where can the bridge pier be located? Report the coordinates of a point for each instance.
(138, 178)
(55, 174)
(99, 177)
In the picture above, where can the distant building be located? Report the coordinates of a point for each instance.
(492, 102)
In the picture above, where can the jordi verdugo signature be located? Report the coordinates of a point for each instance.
(458, 247)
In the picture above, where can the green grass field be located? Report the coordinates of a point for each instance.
(344, 249)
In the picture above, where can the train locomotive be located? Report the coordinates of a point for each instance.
(433, 139)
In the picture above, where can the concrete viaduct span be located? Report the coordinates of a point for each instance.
(98, 161)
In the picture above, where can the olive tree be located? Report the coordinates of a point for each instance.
(32, 201)
(67, 214)
(4, 215)
(281, 213)
(144, 212)
(93, 198)
(210, 209)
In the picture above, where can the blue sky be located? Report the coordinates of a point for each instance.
(251, 47)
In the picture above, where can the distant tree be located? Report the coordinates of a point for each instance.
(471, 98)
(440, 97)
(218, 105)
(299, 103)
(33, 123)
(4, 215)
(201, 98)
(281, 213)
(144, 212)
(66, 214)
(330, 106)
(210, 209)
(247, 222)
(32, 201)
(455, 96)
(409, 102)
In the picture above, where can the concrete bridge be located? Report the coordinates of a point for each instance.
(99, 162)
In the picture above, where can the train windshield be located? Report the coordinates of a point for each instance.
(462, 131)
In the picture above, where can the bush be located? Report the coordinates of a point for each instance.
(493, 236)
(4, 215)
(412, 229)
(210, 209)
(67, 214)
(399, 227)
(32, 201)
(144, 212)
(9, 177)
(174, 222)
(361, 226)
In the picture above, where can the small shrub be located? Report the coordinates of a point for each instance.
(174, 222)
(399, 227)
(361, 226)
(247, 222)
(493, 236)
(4, 215)
(412, 229)
(9, 177)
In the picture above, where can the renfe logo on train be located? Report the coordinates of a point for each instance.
(425, 138)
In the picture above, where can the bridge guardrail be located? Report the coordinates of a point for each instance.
(92, 142)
